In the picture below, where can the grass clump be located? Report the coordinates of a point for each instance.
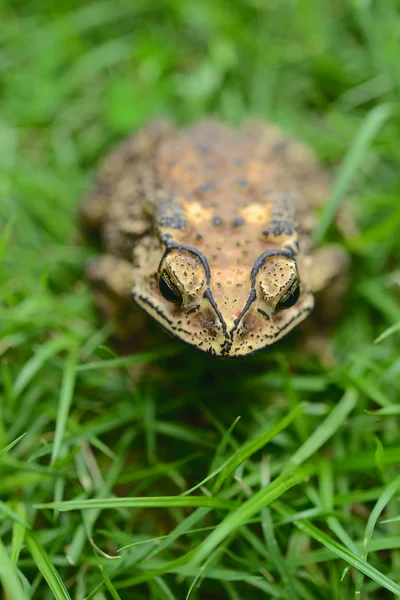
(118, 486)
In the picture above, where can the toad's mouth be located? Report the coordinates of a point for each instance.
(236, 341)
(261, 330)
(223, 335)
(236, 347)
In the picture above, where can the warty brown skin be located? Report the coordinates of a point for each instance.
(209, 230)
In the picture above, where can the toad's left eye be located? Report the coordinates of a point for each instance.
(168, 289)
(290, 297)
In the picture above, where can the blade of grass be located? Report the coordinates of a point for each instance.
(326, 488)
(166, 567)
(13, 515)
(383, 500)
(33, 366)
(388, 332)
(180, 566)
(259, 442)
(352, 162)
(324, 555)
(340, 551)
(11, 445)
(275, 554)
(328, 427)
(107, 581)
(164, 588)
(149, 502)
(9, 577)
(84, 531)
(127, 361)
(223, 444)
(5, 236)
(202, 482)
(267, 527)
(181, 529)
(158, 539)
(195, 436)
(248, 509)
(66, 394)
(18, 534)
(378, 297)
(386, 411)
(394, 520)
(47, 569)
(361, 461)
(156, 471)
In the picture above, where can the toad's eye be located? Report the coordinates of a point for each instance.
(168, 289)
(290, 297)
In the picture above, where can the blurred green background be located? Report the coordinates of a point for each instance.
(76, 77)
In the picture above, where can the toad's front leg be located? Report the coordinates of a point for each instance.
(111, 279)
(329, 280)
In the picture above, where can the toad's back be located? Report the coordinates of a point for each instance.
(228, 179)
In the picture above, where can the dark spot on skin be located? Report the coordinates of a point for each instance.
(192, 310)
(242, 182)
(238, 162)
(206, 187)
(280, 227)
(102, 188)
(264, 314)
(238, 222)
(217, 221)
(170, 214)
(203, 149)
(199, 237)
(280, 146)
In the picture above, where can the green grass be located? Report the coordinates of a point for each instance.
(114, 485)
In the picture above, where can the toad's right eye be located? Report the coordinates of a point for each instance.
(168, 289)
(290, 298)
